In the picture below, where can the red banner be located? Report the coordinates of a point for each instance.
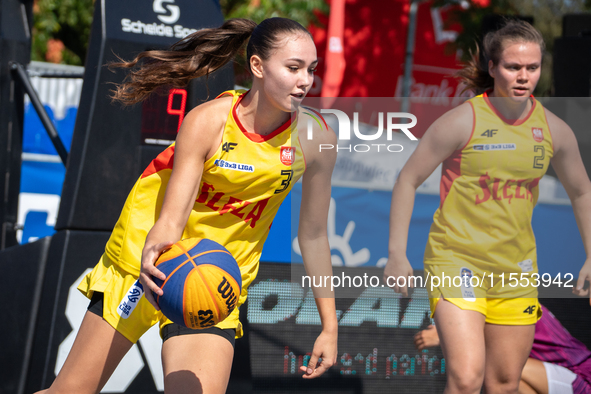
(374, 46)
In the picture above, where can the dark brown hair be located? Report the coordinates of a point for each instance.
(199, 54)
(475, 73)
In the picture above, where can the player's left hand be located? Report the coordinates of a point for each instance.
(426, 338)
(325, 348)
(584, 276)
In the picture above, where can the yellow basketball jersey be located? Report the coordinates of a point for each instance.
(489, 189)
(242, 187)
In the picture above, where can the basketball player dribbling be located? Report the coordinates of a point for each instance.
(185, 192)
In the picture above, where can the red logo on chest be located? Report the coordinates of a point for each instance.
(287, 155)
(538, 134)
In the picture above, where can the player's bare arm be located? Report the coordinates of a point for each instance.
(198, 139)
(313, 239)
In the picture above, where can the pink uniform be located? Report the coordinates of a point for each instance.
(554, 344)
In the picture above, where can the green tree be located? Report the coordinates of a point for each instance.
(69, 21)
(65, 21)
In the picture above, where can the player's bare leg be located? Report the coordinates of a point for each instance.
(96, 352)
(507, 350)
(197, 364)
(534, 376)
(461, 333)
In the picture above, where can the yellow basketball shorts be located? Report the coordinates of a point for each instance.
(483, 291)
(124, 306)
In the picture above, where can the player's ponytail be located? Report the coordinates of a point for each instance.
(196, 55)
(475, 73)
(199, 54)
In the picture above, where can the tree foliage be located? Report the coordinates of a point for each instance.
(66, 21)
(69, 21)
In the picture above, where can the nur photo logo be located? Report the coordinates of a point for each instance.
(394, 121)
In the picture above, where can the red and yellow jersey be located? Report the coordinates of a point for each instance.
(489, 189)
(242, 187)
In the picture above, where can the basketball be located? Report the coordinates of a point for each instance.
(202, 284)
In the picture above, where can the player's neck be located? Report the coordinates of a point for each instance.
(510, 108)
(258, 116)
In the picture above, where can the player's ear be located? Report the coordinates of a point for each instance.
(491, 68)
(256, 66)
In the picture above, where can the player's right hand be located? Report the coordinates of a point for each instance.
(149, 256)
(397, 268)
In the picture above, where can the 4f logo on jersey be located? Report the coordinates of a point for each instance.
(538, 134)
(287, 155)
(530, 309)
(489, 133)
(228, 146)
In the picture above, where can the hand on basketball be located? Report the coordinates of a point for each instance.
(397, 274)
(426, 338)
(149, 256)
(325, 348)
(584, 276)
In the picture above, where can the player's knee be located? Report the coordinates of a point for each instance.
(468, 381)
(504, 384)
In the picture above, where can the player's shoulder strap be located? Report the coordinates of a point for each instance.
(232, 93)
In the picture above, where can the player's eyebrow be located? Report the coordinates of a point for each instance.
(510, 64)
(300, 61)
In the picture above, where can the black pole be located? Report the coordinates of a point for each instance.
(21, 73)
(33, 315)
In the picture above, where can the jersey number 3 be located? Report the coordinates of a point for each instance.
(285, 183)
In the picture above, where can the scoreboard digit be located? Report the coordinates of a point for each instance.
(162, 117)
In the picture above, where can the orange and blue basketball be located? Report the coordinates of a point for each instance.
(202, 285)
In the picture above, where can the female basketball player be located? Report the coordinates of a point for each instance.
(198, 198)
(494, 150)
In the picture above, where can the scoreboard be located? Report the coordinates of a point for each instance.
(162, 117)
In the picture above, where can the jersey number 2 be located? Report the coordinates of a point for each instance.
(539, 158)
